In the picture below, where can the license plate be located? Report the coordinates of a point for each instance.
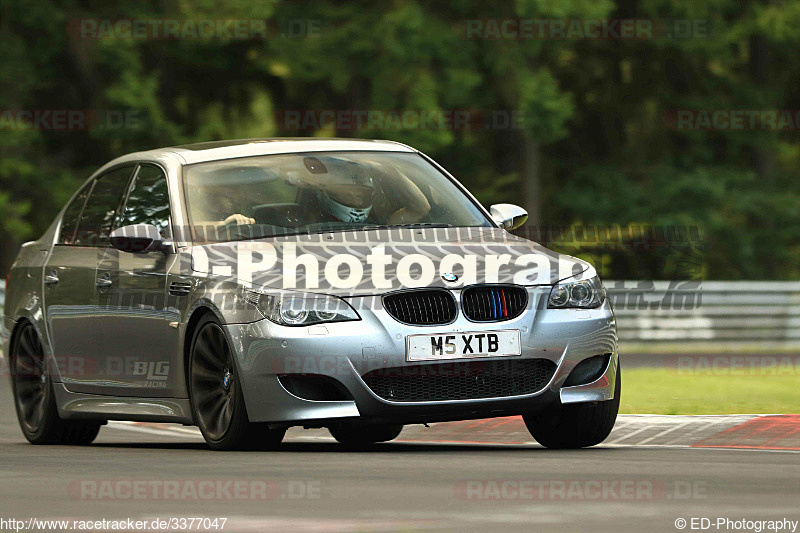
(462, 345)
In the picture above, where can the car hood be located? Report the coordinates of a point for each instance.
(346, 262)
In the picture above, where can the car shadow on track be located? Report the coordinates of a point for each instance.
(333, 447)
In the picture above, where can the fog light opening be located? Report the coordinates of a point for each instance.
(315, 387)
(588, 370)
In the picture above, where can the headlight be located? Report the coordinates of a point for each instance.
(585, 294)
(299, 308)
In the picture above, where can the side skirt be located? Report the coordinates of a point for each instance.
(72, 405)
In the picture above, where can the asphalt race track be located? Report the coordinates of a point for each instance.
(472, 475)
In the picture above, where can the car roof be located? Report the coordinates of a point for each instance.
(218, 150)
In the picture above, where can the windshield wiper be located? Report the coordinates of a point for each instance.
(367, 227)
(410, 225)
(423, 225)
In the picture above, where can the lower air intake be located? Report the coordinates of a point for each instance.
(470, 380)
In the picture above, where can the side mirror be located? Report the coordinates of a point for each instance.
(139, 238)
(509, 216)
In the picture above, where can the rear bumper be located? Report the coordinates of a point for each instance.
(346, 351)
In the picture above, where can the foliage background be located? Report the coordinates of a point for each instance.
(595, 148)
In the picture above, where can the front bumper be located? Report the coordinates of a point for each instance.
(346, 351)
(6, 326)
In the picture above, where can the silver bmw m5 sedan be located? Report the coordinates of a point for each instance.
(249, 286)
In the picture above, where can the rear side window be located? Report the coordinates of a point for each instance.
(148, 200)
(101, 208)
(69, 222)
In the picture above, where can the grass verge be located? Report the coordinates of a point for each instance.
(668, 392)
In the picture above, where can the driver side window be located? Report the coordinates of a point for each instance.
(148, 200)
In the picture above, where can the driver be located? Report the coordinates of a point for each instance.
(343, 191)
(236, 219)
(347, 199)
(223, 204)
(347, 193)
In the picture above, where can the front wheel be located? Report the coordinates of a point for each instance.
(34, 397)
(576, 425)
(216, 394)
(363, 435)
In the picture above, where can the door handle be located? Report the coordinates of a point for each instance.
(51, 278)
(103, 281)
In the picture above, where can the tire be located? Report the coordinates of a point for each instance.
(579, 425)
(216, 395)
(364, 435)
(34, 397)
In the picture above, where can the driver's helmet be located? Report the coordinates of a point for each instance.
(346, 194)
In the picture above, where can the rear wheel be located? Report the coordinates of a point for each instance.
(362, 435)
(576, 425)
(216, 394)
(35, 400)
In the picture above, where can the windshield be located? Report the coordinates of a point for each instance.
(274, 195)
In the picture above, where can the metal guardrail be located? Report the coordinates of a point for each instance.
(707, 311)
(652, 312)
